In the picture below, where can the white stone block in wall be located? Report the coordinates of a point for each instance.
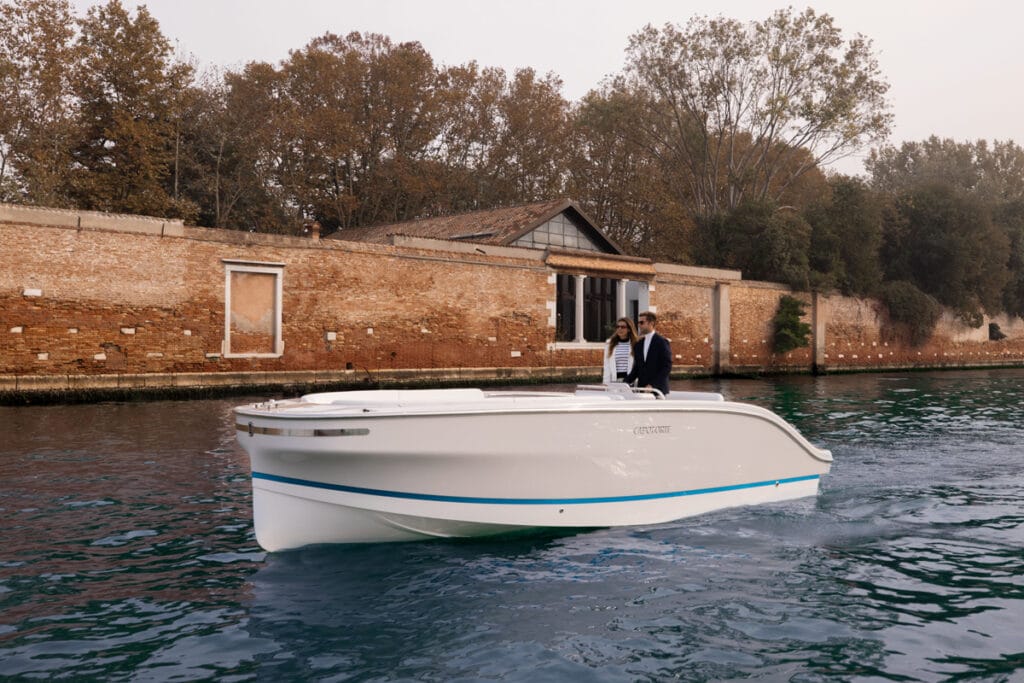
(331, 336)
(127, 330)
(154, 354)
(369, 330)
(72, 330)
(32, 292)
(100, 356)
(188, 333)
(17, 330)
(43, 356)
(517, 354)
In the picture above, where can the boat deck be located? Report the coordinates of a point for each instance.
(412, 401)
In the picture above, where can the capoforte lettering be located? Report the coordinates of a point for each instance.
(643, 430)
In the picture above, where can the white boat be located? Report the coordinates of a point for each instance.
(399, 465)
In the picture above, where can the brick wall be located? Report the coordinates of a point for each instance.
(112, 300)
(93, 301)
(753, 306)
(859, 337)
(684, 308)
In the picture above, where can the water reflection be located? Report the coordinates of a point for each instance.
(122, 530)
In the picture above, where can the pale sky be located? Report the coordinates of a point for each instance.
(956, 68)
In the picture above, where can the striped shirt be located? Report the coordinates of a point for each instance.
(621, 353)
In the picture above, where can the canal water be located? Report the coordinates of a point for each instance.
(127, 553)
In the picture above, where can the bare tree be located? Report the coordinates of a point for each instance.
(732, 110)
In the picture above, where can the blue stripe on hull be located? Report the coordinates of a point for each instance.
(524, 501)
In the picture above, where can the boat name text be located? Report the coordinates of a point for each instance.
(651, 429)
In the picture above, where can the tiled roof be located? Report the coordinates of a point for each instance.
(501, 226)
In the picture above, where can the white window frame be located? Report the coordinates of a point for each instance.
(275, 269)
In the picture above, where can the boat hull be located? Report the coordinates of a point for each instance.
(283, 512)
(384, 473)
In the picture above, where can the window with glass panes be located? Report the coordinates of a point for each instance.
(598, 305)
(560, 231)
(565, 308)
(598, 308)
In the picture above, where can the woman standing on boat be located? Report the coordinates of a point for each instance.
(618, 357)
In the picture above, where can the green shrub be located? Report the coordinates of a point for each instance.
(790, 332)
(912, 312)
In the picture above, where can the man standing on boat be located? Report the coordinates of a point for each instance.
(652, 356)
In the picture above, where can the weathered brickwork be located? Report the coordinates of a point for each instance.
(753, 306)
(854, 334)
(685, 316)
(107, 301)
(104, 302)
(860, 337)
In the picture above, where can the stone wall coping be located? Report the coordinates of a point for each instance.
(36, 215)
(698, 271)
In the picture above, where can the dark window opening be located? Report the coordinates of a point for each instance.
(599, 305)
(598, 308)
(565, 308)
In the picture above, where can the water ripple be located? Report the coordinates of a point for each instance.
(129, 555)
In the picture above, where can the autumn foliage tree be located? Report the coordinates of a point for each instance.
(358, 118)
(38, 116)
(622, 185)
(128, 88)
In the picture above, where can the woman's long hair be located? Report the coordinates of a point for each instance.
(614, 339)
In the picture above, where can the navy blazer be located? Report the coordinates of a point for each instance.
(655, 368)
